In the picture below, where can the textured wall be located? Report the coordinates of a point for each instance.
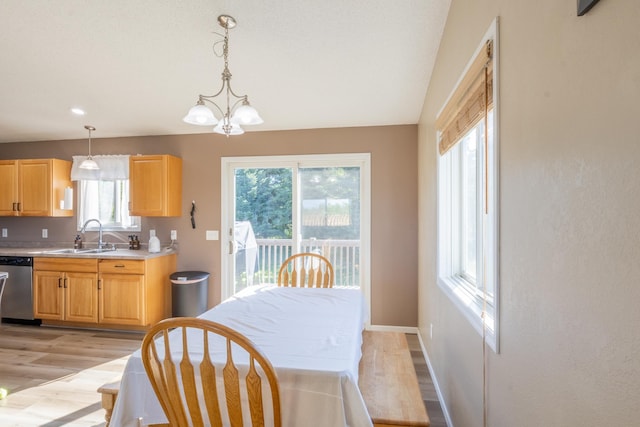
(393, 191)
(570, 229)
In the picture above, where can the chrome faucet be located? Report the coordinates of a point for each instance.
(101, 244)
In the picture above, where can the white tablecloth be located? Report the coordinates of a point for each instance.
(313, 339)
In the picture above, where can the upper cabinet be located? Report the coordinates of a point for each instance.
(155, 185)
(34, 187)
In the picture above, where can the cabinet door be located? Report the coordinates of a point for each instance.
(48, 294)
(147, 185)
(34, 187)
(81, 297)
(122, 299)
(155, 184)
(8, 187)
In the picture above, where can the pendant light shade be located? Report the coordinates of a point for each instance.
(246, 115)
(89, 163)
(200, 115)
(229, 129)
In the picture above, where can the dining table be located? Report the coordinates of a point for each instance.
(311, 336)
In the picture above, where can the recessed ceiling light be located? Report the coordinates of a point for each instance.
(78, 111)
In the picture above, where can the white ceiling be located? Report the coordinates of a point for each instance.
(137, 66)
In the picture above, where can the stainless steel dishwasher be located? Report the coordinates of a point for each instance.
(17, 300)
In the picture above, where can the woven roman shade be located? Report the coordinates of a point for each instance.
(470, 101)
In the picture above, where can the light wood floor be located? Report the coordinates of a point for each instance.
(428, 390)
(52, 374)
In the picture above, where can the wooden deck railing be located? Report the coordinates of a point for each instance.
(343, 254)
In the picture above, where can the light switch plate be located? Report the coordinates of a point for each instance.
(5, 232)
(212, 235)
(45, 233)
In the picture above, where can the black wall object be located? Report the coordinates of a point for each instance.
(585, 6)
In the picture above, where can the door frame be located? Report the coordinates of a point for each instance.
(227, 205)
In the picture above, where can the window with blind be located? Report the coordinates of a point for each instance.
(468, 192)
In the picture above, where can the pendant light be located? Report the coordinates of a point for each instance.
(237, 110)
(89, 163)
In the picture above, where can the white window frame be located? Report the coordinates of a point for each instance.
(479, 307)
(106, 226)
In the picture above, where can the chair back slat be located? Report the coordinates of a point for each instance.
(208, 375)
(285, 278)
(254, 390)
(172, 400)
(306, 270)
(317, 277)
(312, 281)
(232, 389)
(185, 390)
(155, 366)
(189, 383)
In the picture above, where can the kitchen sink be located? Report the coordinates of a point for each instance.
(67, 251)
(78, 251)
(99, 251)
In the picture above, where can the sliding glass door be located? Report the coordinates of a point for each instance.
(279, 206)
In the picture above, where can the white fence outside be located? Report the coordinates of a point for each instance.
(343, 254)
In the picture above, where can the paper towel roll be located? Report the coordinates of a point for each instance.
(68, 198)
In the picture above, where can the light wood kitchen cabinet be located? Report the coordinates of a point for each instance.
(66, 289)
(34, 187)
(122, 284)
(155, 185)
(115, 293)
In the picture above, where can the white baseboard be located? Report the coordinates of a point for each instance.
(434, 379)
(404, 329)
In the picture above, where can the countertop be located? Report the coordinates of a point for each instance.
(118, 253)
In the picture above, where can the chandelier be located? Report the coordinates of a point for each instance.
(237, 112)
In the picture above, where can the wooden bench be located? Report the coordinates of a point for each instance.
(388, 381)
(109, 393)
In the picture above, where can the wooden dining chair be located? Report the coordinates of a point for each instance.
(306, 270)
(191, 390)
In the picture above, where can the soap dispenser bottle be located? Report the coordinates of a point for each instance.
(154, 242)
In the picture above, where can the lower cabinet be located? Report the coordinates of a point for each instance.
(65, 290)
(118, 293)
(121, 286)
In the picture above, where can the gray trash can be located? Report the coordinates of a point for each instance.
(189, 293)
